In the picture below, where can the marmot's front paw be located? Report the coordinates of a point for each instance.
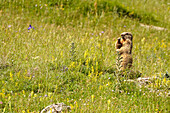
(117, 50)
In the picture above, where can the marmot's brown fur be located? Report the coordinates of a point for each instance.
(124, 49)
(128, 35)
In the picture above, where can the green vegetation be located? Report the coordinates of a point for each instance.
(68, 55)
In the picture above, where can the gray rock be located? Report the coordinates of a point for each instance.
(56, 108)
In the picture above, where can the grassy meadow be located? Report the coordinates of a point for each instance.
(68, 55)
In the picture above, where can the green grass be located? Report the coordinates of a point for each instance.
(70, 55)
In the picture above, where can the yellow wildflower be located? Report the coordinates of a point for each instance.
(72, 65)
(129, 110)
(39, 85)
(3, 95)
(16, 84)
(18, 74)
(50, 110)
(71, 106)
(9, 98)
(87, 62)
(3, 90)
(56, 87)
(100, 87)
(32, 92)
(23, 92)
(11, 76)
(35, 95)
(76, 104)
(86, 53)
(49, 94)
(67, 99)
(28, 111)
(108, 102)
(143, 40)
(92, 68)
(164, 81)
(92, 98)
(53, 58)
(99, 45)
(89, 74)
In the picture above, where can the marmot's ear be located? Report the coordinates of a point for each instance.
(131, 36)
(119, 39)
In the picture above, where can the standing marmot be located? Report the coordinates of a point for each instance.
(124, 49)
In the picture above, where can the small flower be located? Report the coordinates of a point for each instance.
(102, 32)
(30, 27)
(9, 26)
(1, 102)
(46, 95)
(64, 68)
(124, 26)
(108, 101)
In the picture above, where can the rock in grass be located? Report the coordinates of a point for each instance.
(56, 108)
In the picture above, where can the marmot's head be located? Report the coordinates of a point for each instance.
(120, 41)
(126, 42)
(127, 35)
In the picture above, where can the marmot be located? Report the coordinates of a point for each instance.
(124, 49)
